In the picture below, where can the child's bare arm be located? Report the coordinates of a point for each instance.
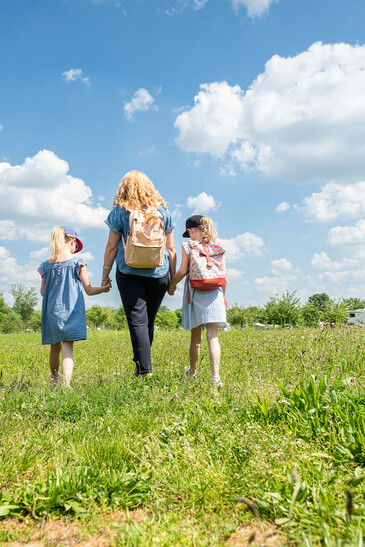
(91, 291)
(183, 270)
(42, 287)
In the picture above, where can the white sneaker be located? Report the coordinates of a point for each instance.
(216, 380)
(188, 373)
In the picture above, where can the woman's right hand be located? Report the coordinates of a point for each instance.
(171, 290)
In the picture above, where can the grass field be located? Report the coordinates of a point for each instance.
(278, 454)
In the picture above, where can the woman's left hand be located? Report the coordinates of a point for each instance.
(106, 281)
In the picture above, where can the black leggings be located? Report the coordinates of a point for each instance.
(141, 297)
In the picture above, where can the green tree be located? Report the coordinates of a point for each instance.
(254, 314)
(121, 318)
(311, 314)
(353, 303)
(335, 312)
(236, 315)
(178, 314)
(3, 306)
(284, 310)
(11, 322)
(320, 300)
(166, 319)
(113, 320)
(3, 310)
(35, 321)
(25, 299)
(96, 316)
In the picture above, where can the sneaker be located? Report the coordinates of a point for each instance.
(188, 373)
(216, 380)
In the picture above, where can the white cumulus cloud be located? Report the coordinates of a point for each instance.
(280, 266)
(243, 245)
(281, 278)
(335, 201)
(236, 275)
(142, 100)
(41, 193)
(347, 235)
(301, 120)
(12, 272)
(283, 206)
(321, 261)
(214, 122)
(75, 74)
(201, 204)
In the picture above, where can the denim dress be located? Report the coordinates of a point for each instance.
(63, 306)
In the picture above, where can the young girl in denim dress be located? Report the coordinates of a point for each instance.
(203, 307)
(63, 306)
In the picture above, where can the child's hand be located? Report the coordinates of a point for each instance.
(171, 290)
(106, 288)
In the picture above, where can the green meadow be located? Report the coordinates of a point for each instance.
(275, 457)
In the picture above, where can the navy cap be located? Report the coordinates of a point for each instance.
(192, 222)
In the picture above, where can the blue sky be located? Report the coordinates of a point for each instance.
(250, 111)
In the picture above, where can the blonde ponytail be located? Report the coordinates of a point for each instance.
(208, 229)
(58, 240)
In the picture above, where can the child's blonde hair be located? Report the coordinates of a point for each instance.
(136, 191)
(208, 229)
(58, 241)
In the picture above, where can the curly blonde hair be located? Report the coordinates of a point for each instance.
(208, 229)
(136, 191)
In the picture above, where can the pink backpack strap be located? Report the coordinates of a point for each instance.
(206, 252)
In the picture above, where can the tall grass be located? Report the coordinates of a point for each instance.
(286, 434)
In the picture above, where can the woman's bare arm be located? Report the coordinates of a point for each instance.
(170, 246)
(183, 270)
(111, 250)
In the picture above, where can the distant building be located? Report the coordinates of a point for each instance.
(356, 317)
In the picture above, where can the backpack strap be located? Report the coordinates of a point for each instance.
(189, 296)
(207, 255)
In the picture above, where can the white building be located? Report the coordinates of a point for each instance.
(356, 317)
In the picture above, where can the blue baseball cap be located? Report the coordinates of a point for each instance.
(71, 232)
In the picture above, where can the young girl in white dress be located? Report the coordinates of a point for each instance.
(205, 307)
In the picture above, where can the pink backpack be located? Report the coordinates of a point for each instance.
(207, 267)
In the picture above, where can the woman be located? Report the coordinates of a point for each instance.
(141, 289)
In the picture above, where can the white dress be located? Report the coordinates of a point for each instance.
(204, 307)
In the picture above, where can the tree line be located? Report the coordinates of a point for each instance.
(279, 310)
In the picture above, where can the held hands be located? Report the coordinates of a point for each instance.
(106, 288)
(171, 290)
(106, 284)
